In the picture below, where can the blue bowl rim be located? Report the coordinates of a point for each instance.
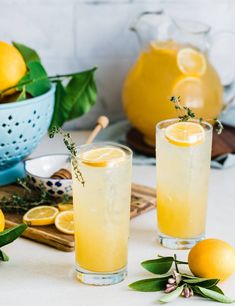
(42, 177)
(23, 103)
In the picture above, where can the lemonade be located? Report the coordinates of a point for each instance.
(169, 68)
(102, 213)
(183, 151)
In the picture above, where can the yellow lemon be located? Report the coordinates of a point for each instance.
(212, 258)
(191, 62)
(65, 206)
(64, 222)
(2, 221)
(12, 66)
(41, 215)
(102, 157)
(185, 134)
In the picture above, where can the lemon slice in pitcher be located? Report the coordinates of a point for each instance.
(185, 134)
(102, 157)
(191, 62)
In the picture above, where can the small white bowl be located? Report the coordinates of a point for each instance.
(40, 169)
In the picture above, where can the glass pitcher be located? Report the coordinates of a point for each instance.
(173, 61)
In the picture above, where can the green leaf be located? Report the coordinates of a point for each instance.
(217, 289)
(150, 284)
(213, 295)
(3, 256)
(58, 116)
(80, 94)
(10, 234)
(168, 297)
(28, 54)
(76, 99)
(36, 80)
(22, 95)
(158, 266)
(204, 282)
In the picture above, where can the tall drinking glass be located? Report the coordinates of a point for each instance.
(102, 212)
(183, 153)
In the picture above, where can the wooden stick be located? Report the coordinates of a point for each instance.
(102, 123)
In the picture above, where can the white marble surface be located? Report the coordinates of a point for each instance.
(39, 275)
(76, 34)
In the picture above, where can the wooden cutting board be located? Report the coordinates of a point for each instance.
(142, 200)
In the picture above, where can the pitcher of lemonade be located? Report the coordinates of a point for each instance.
(173, 62)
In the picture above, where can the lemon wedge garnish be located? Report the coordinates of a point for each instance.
(191, 62)
(41, 215)
(102, 157)
(64, 222)
(185, 134)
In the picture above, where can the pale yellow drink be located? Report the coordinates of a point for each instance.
(102, 212)
(183, 161)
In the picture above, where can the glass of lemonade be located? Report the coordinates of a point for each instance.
(183, 153)
(102, 212)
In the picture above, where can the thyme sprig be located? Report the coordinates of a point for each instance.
(72, 148)
(28, 197)
(186, 114)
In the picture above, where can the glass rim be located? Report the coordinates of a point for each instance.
(100, 144)
(206, 27)
(175, 120)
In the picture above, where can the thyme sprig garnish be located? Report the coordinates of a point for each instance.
(186, 114)
(175, 283)
(72, 148)
(28, 197)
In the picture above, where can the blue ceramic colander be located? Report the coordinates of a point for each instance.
(22, 125)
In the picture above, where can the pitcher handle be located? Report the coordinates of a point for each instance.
(136, 21)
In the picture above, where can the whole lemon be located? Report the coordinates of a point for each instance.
(2, 221)
(12, 66)
(212, 258)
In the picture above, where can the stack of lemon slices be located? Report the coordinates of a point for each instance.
(62, 217)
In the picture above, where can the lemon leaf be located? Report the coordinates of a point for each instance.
(214, 295)
(169, 297)
(22, 95)
(36, 80)
(80, 94)
(76, 98)
(150, 284)
(10, 234)
(3, 256)
(59, 117)
(28, 54)
(158, 266)
(204, 282)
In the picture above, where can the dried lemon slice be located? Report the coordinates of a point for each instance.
(64, 222)
(191, 62)
(41, 215)
(102, 157)
(185, 134)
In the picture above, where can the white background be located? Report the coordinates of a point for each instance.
(77, 34)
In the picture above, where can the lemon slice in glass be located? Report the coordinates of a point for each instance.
(191, 62)
(64, 222)
(41, 215)
(102, 157)
(185, 134)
